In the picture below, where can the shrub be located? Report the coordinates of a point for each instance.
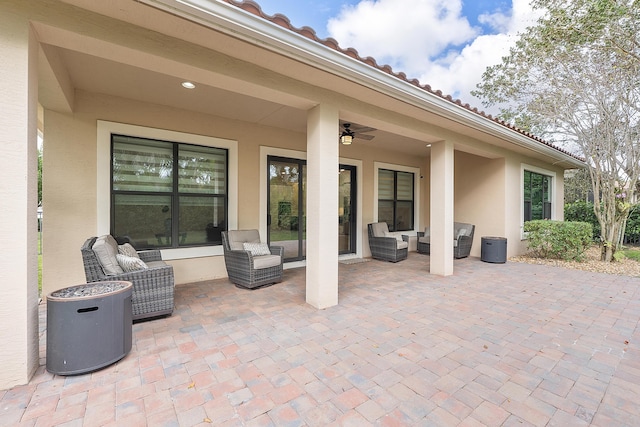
(583, 212)
(567, 240)
(632, 230)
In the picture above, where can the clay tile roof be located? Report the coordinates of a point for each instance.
(281, 20)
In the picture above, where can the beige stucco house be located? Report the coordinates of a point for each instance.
(255, 144)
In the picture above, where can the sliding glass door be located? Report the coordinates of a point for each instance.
(346, 210)
(286, 205)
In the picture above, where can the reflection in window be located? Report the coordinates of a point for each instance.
(395, 199)
(167, 194)
(537, 196)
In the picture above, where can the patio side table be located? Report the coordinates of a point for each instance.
(88, 326)
(493, 249)
(412, 242)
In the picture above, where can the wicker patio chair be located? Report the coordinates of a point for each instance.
(463, 239)
(153, 288)
(250, 263)
(385, 246)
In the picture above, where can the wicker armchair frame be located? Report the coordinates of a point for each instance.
(241, 271)
(461, 250)
(153, 288)
(385, 248)
(423, 248)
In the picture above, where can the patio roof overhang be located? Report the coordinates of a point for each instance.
(249, 27)
(406, 115)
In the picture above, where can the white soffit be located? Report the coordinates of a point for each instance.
(238, 23)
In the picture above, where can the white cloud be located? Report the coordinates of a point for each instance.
(405, 32)
(431, 40)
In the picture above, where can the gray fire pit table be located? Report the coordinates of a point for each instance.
(88, 327)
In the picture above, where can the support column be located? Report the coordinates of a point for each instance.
(322, 206)
(18, 223)
(441, 210)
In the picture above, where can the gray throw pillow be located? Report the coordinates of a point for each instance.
(129, 263)
(128, 250)
(257, 249)
(106, 249)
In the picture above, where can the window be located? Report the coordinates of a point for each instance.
(166, 194)
(537, 196)
(395, 199)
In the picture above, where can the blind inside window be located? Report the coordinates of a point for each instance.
(385, 184)
(142, 165)
(202, 170)
(405, 186)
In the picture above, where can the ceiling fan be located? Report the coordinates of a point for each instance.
(356, 130)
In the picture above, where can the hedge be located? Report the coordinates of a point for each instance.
(566, 240)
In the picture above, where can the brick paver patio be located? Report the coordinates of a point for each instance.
(493, 345)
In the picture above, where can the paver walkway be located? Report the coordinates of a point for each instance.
(493, 345)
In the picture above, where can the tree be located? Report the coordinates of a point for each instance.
(577, 186)
(574, 79)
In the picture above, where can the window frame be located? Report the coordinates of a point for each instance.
(552, 191)
(103, 178)
(416, 192)
(175, 194)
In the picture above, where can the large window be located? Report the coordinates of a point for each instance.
(395, 199)
(537, 196)
(166, 194)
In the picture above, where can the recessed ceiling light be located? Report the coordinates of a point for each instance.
(428, 145)
(188, 85)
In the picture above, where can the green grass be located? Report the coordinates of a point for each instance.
(40, 263)
(279, 235)
(633, 254)
(40, 274)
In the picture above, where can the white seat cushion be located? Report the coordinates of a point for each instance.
(237, 238)
(154, 264)
(380, 229)
(106, 249)
(266, 261)
(402, 244)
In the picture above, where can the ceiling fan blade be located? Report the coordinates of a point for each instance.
(362, 129)
(364, 136)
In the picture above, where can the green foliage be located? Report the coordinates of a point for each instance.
(577, 185)
(582, 212)
(39, 176)
(632, 231)
(633, 254)
(619, 256)
(610, 24)
(558, 239)
(572, 78)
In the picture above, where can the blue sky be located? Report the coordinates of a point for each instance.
(444, 43)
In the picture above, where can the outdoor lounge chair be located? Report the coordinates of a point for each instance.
(153, 287)
(385, 246)
(250, 263)
(462, 240)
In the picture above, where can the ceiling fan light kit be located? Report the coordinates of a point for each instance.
(349, 134)
(346, 138)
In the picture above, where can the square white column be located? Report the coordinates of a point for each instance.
(441, 211)
(18, 222)
(322, 206)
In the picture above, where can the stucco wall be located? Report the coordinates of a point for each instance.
(479, 195)
(488, 193)
(18, 168)
(70, 183)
